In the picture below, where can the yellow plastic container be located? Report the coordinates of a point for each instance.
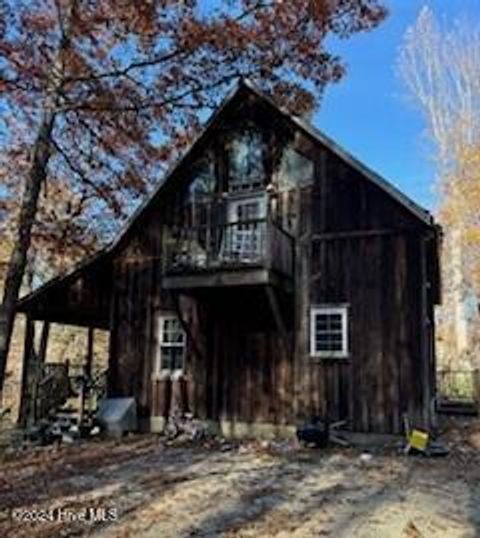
(418, 440)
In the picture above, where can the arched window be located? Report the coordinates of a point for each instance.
(247, 161)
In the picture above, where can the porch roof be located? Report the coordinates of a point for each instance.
(80, 297)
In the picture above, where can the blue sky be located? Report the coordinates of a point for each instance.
(368, 112)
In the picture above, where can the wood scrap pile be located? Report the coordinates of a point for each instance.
(184, 427)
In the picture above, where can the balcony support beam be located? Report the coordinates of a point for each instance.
(217, 279)
(198, 348)
(279, 320)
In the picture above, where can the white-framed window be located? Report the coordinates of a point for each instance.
(329, 331)
(171, 348)
(244, 237)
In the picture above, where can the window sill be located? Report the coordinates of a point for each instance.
(323, 358)
(174, 375)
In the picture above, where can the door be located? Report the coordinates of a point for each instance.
(245, 233)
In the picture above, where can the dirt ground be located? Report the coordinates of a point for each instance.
(141, 487)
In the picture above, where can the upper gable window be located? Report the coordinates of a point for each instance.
(247, 161)
(294, 170)
(200, 192)
(202, 184)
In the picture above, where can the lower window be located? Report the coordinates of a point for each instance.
(171, 345)
(329, 331)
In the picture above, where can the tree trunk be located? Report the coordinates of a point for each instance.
(18, 258)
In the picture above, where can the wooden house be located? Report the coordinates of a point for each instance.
(269, 278)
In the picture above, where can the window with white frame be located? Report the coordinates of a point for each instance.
(329, 331)
(171, 345)
(244, 239)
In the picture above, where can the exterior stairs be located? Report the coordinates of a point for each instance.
(66, 408)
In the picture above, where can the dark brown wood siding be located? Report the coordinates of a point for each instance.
(354, 245)
(248, 352)
(379, 277)
(363, 249)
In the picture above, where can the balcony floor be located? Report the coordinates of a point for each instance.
(245, 276)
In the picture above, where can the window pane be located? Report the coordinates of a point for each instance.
(173, 357)
(328, 322)
(321, 323)
(335, 322)
(240, 158)
(172, 331)
(167, 336)
(167, 358)
(324, 336)
(178, 336)
(167, 325)
(246, 161)
(177, 357)
(329, 342)
(202, 185)
(295, 169)
(248, 211)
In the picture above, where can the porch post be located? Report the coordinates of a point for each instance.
(89, 358)
(27, 356)
(42, 350)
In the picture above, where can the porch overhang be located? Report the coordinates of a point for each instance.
(81, 297)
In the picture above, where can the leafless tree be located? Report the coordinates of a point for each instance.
(440, 65)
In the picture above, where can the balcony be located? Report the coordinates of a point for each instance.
(247, 252)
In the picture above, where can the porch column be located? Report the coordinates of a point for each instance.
(43, 346)
(89, 358)
(27, 356)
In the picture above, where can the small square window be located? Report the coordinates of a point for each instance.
(329, 331)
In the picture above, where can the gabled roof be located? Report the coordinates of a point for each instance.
(310, 131)
(419, 212)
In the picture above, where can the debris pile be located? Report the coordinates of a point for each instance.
(58, 430)
(183, 427)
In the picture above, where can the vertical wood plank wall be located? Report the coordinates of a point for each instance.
(237, 366)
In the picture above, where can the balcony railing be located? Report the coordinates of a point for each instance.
(249, 243)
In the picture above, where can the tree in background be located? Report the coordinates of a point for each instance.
(96, 94)
(62, 231)
(441, 68)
